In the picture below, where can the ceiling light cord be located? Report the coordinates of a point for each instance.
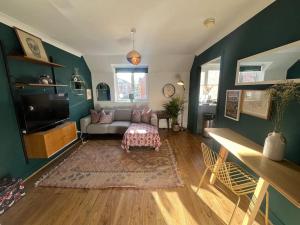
(132, 37)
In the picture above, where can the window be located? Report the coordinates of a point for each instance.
(131, 84)
(209, 86)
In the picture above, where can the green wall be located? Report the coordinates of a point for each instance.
(275, 26)
(12, 160)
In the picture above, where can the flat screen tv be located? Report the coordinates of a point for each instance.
(40, 111)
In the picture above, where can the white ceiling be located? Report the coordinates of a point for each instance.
(164, 27)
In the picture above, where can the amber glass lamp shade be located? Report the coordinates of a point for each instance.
(134, 57)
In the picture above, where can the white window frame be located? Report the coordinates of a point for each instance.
(132, 86)
(205, 71)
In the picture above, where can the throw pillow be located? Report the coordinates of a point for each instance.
(105, 118)
(95, 116)
(136, 116)
(146, 115)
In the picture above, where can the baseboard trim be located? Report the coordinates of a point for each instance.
(68, 148)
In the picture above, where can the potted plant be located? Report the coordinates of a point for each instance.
(173, 107)
(281, 95)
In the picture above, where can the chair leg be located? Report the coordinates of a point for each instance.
(202, 179)
(235, 208)
(267, 209)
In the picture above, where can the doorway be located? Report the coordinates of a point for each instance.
(208, 92)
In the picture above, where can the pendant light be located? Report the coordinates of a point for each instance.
(133, 56)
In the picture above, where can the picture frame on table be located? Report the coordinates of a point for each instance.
(233, 104)
(32, 46)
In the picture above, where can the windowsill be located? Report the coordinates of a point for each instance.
(207, 104)
(137, 101)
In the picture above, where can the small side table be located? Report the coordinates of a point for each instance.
(163, 115)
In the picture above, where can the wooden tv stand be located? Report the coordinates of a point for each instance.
(44, 144)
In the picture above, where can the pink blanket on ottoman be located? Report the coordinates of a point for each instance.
(141, 134)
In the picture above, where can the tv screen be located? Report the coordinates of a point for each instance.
(40, 111)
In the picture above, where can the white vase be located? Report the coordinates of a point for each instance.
(274, 147)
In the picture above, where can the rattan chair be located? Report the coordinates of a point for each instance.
(230, 175)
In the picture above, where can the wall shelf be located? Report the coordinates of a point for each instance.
(32, 60)
(23, 85)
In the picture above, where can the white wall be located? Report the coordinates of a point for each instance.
(162, 70)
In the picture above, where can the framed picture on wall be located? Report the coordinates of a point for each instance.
(232, 104)
(256, 103)
(31, 45)
(88, 94)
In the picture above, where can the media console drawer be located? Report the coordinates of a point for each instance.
(46, 143)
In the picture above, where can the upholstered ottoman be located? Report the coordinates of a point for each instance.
(141, 134)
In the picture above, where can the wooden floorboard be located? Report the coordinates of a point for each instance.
(212, 205)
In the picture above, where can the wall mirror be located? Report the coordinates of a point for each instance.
(270, 67)
(103, 92)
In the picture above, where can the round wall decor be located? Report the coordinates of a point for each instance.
(168, 90)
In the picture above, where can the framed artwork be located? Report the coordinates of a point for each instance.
(232, 104)
(256, 103)
(88, 94)
(31, 45)
(169, 90)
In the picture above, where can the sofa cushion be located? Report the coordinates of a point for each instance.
(136, 116)
(97, 128)
(95, 116)
(146, 115)
(118, 127)
(107, 111)
(122, 115)
(105, 118)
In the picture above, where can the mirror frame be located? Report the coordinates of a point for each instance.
(296, 43)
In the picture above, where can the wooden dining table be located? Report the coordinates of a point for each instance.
(283, 176)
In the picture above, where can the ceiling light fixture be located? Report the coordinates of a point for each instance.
(133, 56)
(209, 22)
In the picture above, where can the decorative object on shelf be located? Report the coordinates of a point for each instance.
(173, 107)
(31, 45)
(256, 103)
(232, 104)
(169, 90)
(45, 79)
(103, 92)
(37, 85)
(88, 94)
(77, 83)
(131, 97)
(181, 84)
(133, 56)
(281, 94)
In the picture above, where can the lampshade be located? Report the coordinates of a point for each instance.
(134, 57)
(180, 83)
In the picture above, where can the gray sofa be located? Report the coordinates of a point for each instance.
(121, 122)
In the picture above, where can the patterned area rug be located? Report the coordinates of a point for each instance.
(104, 164)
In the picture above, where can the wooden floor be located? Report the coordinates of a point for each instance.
(177, 206)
